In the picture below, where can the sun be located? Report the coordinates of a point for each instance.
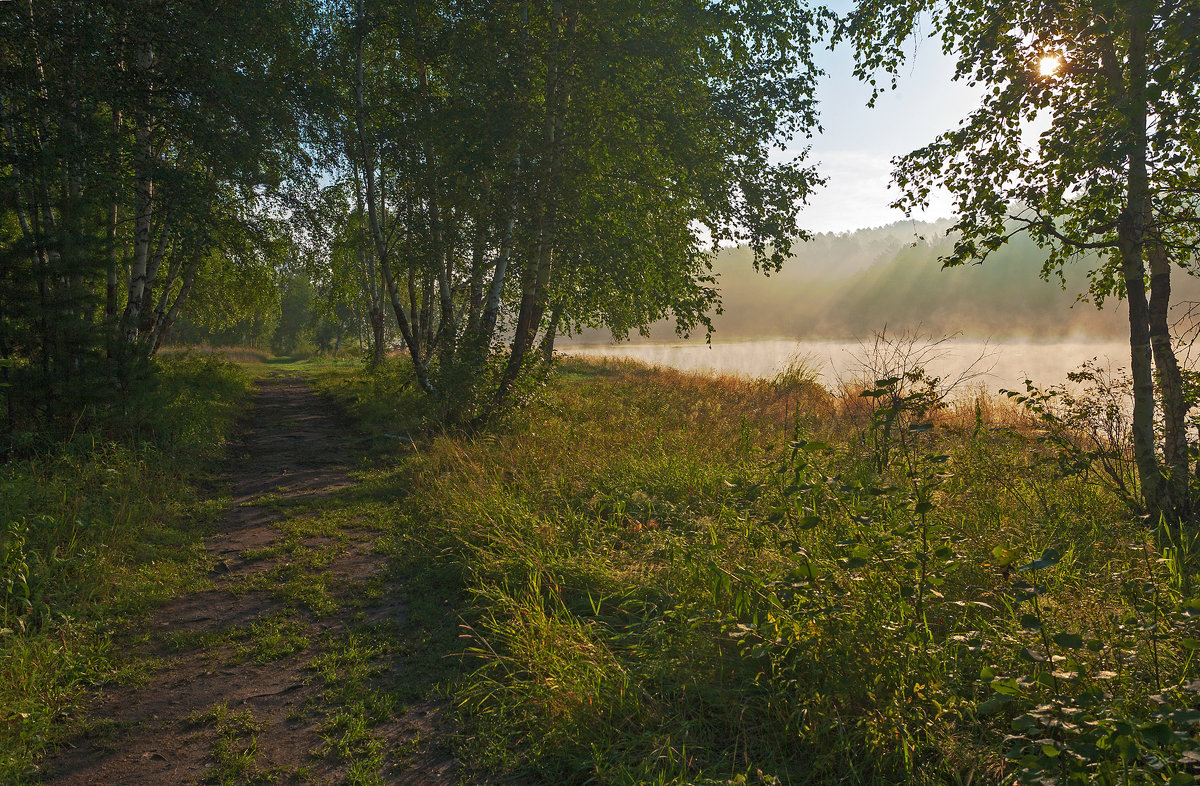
(1049, 65)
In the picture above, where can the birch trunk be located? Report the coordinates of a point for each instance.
(441, 257)
(1170, 381)
(381, 248)
(367, 267)
(536, 280)
(164, 325)
(143, 211)
(1131, 245)
(491, 308)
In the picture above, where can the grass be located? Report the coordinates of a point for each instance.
(666, 578)
(96, 533)
(235, 751)
(643, 577)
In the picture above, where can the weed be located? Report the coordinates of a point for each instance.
(235, 747)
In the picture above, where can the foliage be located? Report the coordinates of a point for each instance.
(146, 148)
(529, 169)
(1086, 422)
(1111, 87)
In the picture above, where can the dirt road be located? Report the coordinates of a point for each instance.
(283, 668)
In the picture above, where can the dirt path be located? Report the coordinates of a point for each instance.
(284, 669)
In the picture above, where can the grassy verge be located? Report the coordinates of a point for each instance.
(97, 533)
(681, 579)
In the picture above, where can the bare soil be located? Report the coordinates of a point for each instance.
(295, 448)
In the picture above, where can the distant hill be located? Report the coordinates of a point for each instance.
(848, 285)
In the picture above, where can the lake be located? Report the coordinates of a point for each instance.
(994, 364)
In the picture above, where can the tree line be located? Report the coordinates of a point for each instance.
(144, 145)
(476, 179)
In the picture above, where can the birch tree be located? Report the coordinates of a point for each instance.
(1114, 172)
(529, 168)
(132, 135)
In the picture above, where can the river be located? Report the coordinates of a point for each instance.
(990, 364)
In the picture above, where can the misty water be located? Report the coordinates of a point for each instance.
(998, 364)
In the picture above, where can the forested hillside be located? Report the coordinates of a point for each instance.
(848, 285)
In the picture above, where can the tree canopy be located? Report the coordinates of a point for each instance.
(143, 147)
(527, 169)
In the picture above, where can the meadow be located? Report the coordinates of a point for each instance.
(675, 578)
(647, 576)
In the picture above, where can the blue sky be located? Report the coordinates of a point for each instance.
(857, 145)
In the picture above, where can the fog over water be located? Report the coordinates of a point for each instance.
(1007, 363)
(839, 286)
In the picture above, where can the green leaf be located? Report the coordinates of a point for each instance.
(807, 571)
(1049, 558)
(1023, 723)
(992, 705)
(1031, 622)
(1050, 751)
(1005, 556)
(1068, 641)
(809, 522)
(1160, 733)
(1007, 686)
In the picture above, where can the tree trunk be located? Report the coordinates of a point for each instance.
(442, 259)
(551, 334)
(1170, 380)
(478, 251)
(1131, 244)
(143, 211)
(381, 248)
(163, 325)
(376, 336)
(146, 322)
(536, 280)
(491, 308)
(110, 284)
(366, 263)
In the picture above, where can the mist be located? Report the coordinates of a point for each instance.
(846, 286)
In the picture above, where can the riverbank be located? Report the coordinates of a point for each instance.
(677, 578)
(987, 364)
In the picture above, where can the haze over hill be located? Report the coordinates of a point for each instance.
(847, 285)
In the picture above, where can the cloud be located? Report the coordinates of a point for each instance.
(858, 194)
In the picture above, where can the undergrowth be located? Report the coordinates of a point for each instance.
(94, 533)
(682, 579)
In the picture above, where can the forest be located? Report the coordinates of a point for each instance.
(297, 484)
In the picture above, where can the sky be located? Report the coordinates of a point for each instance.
(856, 147)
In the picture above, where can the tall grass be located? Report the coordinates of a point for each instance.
(685, 579)
(95, 532)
